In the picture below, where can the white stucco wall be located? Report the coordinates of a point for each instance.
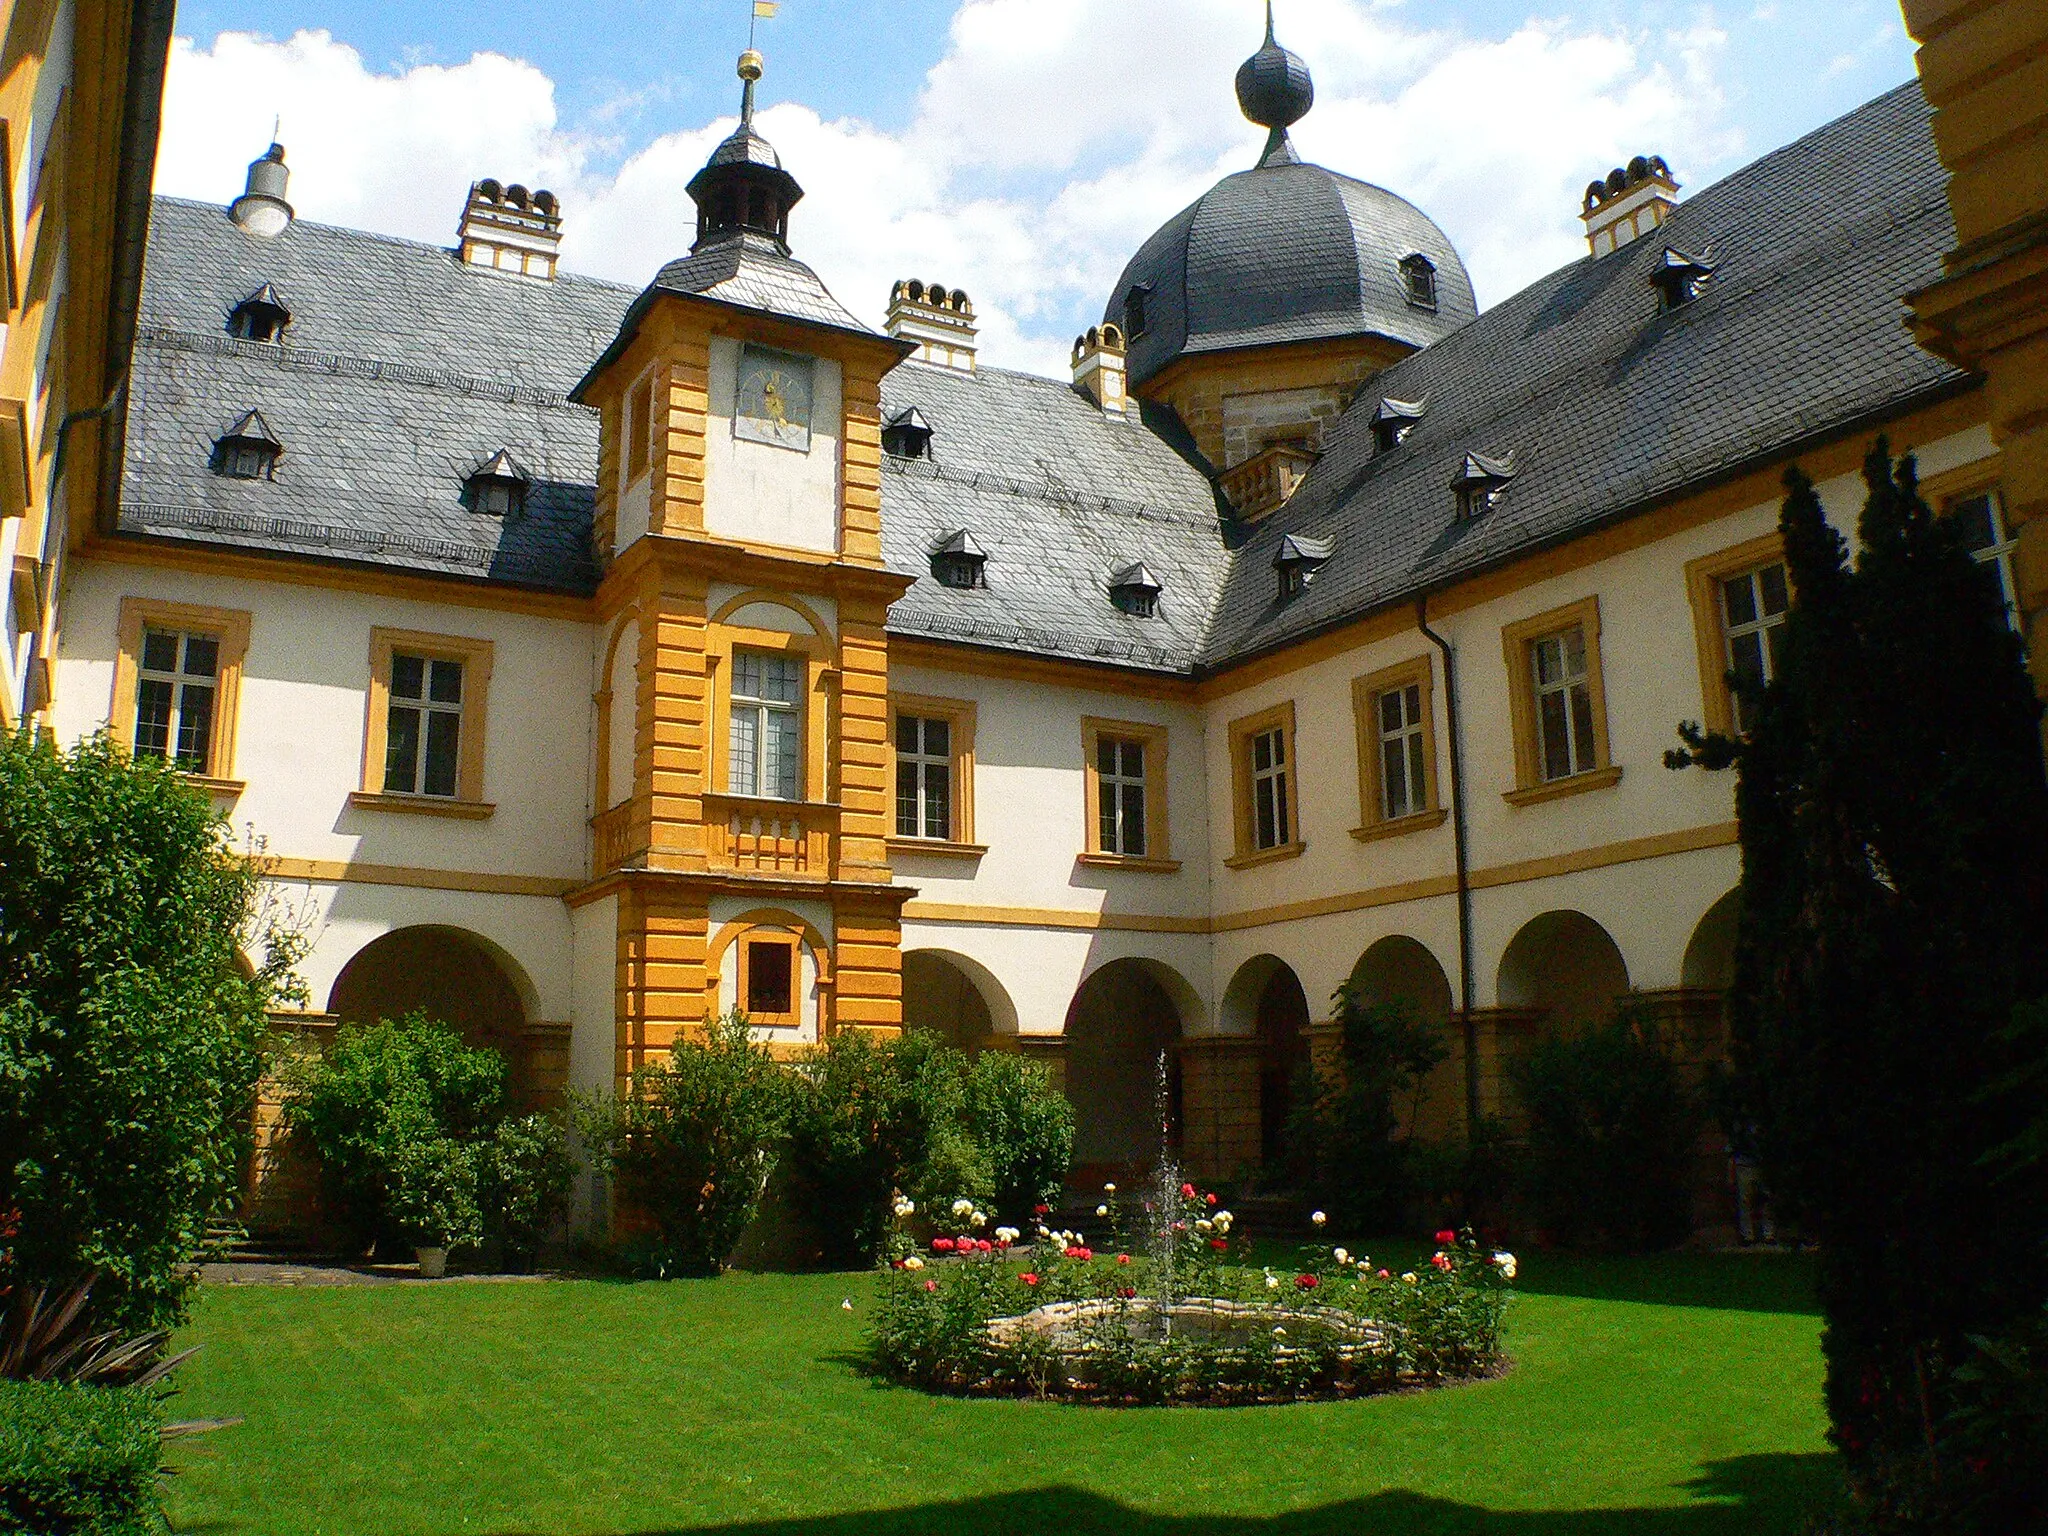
(762, 492)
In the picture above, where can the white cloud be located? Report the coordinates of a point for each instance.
(1039, 157)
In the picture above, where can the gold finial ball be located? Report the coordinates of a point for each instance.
(751, 64)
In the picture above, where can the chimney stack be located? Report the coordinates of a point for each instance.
(939, 319)
(510, 229)
(1631, 202)
(1099, 368)
(261, 209)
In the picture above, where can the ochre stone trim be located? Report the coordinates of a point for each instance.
(349, 872)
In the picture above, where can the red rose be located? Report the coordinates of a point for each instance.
(1123, 1258)
(1187, 1191)
(1221, 1245)
(1386, 1274)
(1180, 1226)
(1040, 1210)
(942, 1245)
(1002, 1242)
(1441, 1261)
(1029, 1279)
(1447, 1237)
(895, 1263)
(931, 1285)
(983, 1245)
(1078, 1252)
(1127, 1291)
(1307, 1282)
(1211, 1199)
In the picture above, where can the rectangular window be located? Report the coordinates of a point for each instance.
(178, 683)
(924, 777)
(1270, 816)
(766, 725)
(175, 692)
(423, 731)
(1564, 705)
(1120, 796)
(1992, 544)
(1403, 782)
(1753, 605)
(770, 980)
(640, 418)
(1393, 716)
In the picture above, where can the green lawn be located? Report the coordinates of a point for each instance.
(1658, 1397)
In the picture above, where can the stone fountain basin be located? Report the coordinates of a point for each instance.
(1070, 1325)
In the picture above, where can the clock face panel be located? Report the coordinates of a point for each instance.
(773, 403)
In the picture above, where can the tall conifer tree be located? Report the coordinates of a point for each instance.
(1894, 821)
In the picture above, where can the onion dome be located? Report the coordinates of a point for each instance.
(1286, 252)
(1275, 91)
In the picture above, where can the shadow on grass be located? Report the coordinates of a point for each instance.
(1742, 1282)
(1746, 1496)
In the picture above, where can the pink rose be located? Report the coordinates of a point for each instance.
(931, 1285)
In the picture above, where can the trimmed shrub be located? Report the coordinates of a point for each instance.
(79, 1461)
(130, 1040)
(1343, 1146)
(1612, 1127)
(524, 1174)
(368, 1108)
(433, 1194)
(692, 1144)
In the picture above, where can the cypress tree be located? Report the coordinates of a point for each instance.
(1894, 826)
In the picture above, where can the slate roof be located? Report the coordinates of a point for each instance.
(1286, 252)
(1606, 403)
(1062, 498)
(402, 372)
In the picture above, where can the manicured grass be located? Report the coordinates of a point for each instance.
(1657, 1397)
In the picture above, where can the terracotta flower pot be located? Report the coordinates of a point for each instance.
(433, 1262)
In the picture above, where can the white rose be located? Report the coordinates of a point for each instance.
(1505, 1263)
(913, 1262)
(1223, 1221)
(1109, 1189)
(905, 1208)
(1272, 1282)
(978, 1218)
(1205, 1227)
(1008, 1234)
(1340, 1255)
(1319, 1218)
(1409, 1278)
(1102, 1210)
(962, 1207)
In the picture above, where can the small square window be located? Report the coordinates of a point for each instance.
(769, 983)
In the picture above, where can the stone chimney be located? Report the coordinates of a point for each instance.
(939, 319)
(261, 209)
(510, 229)
(1099, 368)
(1631, 202)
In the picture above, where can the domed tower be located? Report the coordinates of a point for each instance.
(1258, 311)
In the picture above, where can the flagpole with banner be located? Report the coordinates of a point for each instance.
(764, 10)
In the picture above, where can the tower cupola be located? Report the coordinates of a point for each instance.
(262, 209)
(1275, 91)
(743, 188)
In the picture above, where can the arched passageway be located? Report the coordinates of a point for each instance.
(1266, 1001)
(1710, 953)
(950, 995)
(1400, 972)
(454, 977)
(1566, 965)
(1122, 1028)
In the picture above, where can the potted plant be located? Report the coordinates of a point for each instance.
(433, 1201)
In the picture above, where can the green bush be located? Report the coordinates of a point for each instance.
(524, 1173)
(913, 1116)
(433, 1189)
(692, 1144)
(384, 1092)
(130, 1039)
(79, 1461)
(1343, 1146)
(1025, 1129)
(1612, 1129)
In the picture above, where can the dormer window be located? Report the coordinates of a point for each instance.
(1134, 310)
(1298, 560)
(1479, 483)
(260, 317)
(1135, 590)
(248, 450)
(907, 435)
(498, 487)
(960, 562)
(1418, 279)
(1678, 277)
(1392, 421)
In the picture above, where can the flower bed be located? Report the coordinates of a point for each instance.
(1179, 1317)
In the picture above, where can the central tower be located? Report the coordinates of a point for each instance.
(742, 675)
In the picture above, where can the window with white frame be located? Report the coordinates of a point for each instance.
(423, 735)
(176, 688)
(1271, 813)
(924, 777)
(1991, 543)
(1120, 795)
(1753, 607)
(1565, 743)
(1404, 787)
(767, 725)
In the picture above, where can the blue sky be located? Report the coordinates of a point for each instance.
(1021, 148)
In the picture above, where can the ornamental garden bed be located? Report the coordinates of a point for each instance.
(1167, 1311)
